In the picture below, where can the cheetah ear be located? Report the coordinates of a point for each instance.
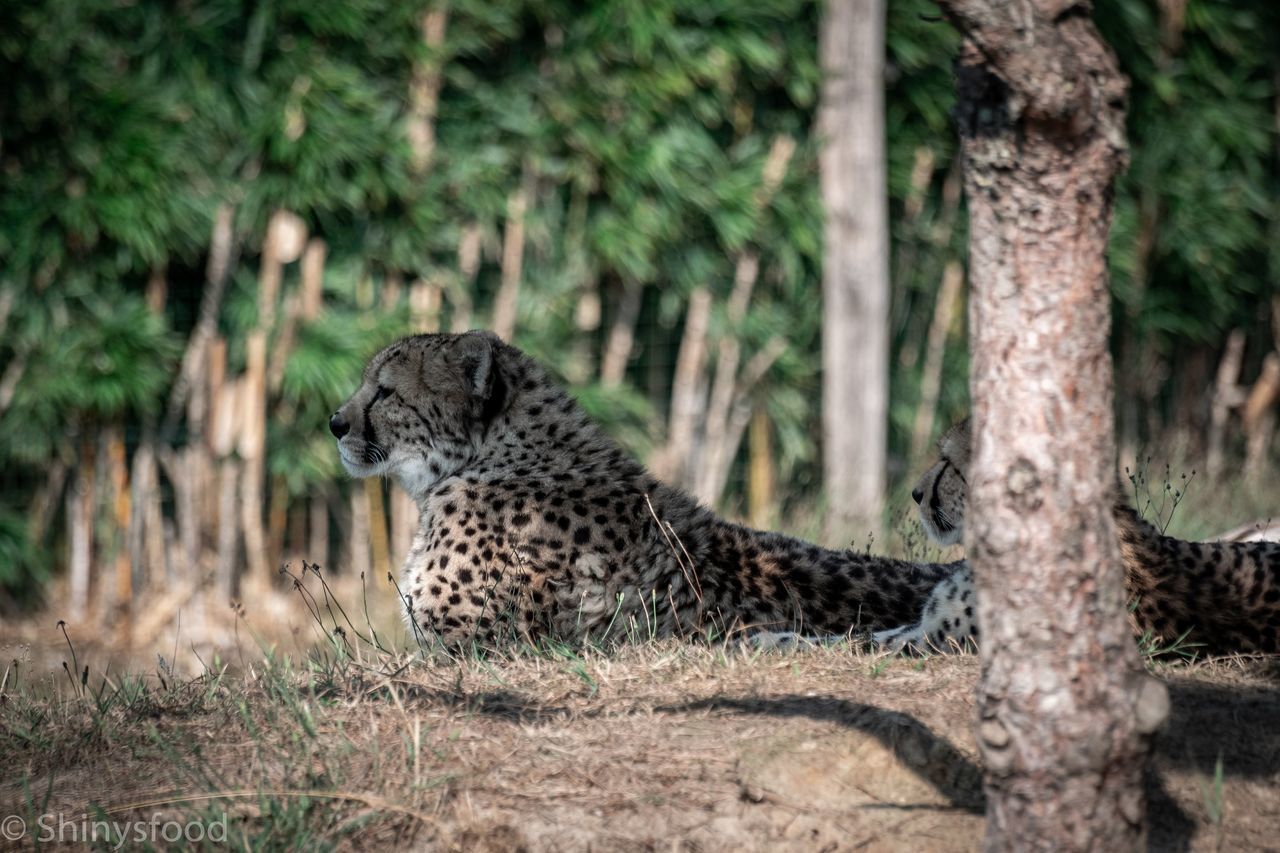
(475, 356)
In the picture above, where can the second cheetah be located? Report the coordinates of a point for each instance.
(1215, 597)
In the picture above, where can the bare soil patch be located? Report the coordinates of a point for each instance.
(662, 746)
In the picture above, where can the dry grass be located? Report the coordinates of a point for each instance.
(660, 745)
(306, 740)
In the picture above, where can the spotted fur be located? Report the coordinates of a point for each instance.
(1223, 596)
(534, 522)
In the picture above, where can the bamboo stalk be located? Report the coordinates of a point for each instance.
(228, 536)
(1226, 396)
(724, 383)
(286, 338)
(8, 296)
(157, 290)
(156, 551)
(358, 538)
(311, 298)
(219, 431)
(377, 515)
(589, 308)
(1258, 415)
(688, 402)
(424, 88)
(120, 506)
(760, 487)
(288, 241)
(740, 413)
(424, 306)
(140, 486)
(709, 471)
(622, 332)
(469, 246)
(9, 380)
(318, 529)
(80, 524)
(177, 471)
(44, 504)
(392, 287)
(252, 439)
(277, 518)
(296, 535)
(922, 166)
(944, 311)
(404, 523)
(507, 300)
(220, 439)
(222, 249)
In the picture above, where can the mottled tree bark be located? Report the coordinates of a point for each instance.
(1066, 711)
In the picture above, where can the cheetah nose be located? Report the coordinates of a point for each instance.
(917, 495)
(338, 426)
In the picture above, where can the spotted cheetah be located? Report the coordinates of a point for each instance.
(1223, 596)
(534, 523)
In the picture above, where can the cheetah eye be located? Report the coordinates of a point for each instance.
(382, 393)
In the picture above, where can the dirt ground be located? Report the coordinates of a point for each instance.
(665, 746)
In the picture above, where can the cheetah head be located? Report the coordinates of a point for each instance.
(422, 407)
(940, 493)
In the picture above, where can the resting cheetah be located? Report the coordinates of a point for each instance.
(1224, 596)
(533, 519)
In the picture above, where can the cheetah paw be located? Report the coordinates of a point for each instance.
(783, 641)
(899, 639)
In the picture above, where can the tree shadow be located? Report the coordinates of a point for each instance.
(1236, 722)
(1207, 722)
(953, 774)
(932, 758)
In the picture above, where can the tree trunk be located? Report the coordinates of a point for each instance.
(80, 524)
(1227, 395)
(120, 601)
(855, 267)
(228, 529)
(424, 88)
(688, 393)
(311, 291)
(377, 515)
(622, 333)
(318, 530)
(507, 300)
(1066, 712)
(760, 485)
(469, 249)
(935, 348)
(358, 535)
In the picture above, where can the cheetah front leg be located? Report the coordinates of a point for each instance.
(900, 639)
(949, 622)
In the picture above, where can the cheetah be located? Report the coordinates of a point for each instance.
(1222, 597)
(534, 523)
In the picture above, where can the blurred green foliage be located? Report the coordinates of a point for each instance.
(642, 129)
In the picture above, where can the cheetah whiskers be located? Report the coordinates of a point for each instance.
(376, 453)
(407, 601)
(946, 521)
(686, 562)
